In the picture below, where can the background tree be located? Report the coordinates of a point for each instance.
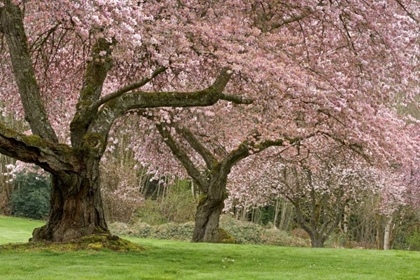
(212, 179)
(320, 181)
(323, 103)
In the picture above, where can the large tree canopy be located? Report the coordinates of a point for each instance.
(72, 68)
(325, 75)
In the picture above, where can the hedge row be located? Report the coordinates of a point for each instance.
(242, 232)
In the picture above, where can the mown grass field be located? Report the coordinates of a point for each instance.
(165, 259)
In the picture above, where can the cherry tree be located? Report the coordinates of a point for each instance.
(320, 72)
(210, 178)
(57, 57)
(321, 179)
(71, 68)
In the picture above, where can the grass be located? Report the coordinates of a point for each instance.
(14, 230)
(166, 259)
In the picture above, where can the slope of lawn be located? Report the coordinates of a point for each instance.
(14, 230)
(165, 259)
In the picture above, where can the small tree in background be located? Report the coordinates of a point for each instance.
(31, 198)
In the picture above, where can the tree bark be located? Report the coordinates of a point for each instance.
(388, 233)
(317, 242)
(206, 227)
(76, 208)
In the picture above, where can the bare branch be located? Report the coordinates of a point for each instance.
(33, 149)
(236, 99)
(208, 157)
(140, 100)
(357, 148)
(127, 88)
(40, 41)
(181, 155)
(290, 20)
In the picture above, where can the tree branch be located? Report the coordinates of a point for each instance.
(236, 99)
(241, 152)
(208, 157)
(291, 20)
(33, 149)
(140, 100)
(405, 10)
(357, 148)
(11, 23)
(94, 77)
(181, 155)
(127, 88)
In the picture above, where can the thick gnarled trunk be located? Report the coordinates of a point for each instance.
(76, 209)
(208, 213)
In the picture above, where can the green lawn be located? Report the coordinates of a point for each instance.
(14, 230)
(183, 260)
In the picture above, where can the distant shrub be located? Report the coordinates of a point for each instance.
(242, 232)
(224, 237)
(165, 231)
(283, 238)
(174, 231)
(120, 228)
(413, 241)
(231, 231)
(176, 206)
(150, 213)
(31, 199)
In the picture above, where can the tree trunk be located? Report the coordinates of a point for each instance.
(379, 232)
(76, 208)
(206, 227)
(286, 215)
(317, 242)
(387, 233)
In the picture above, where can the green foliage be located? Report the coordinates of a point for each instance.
(174, 231)
(413, 241)
(31, 199)
(250, 233)
(176, 206)
(151, 212)
(224, 237)
(242, 232)
(230, 231)
(164, 231)
(283, 238)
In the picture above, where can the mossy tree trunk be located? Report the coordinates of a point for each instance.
(317, 241)
(76, 210)
(209, 209)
